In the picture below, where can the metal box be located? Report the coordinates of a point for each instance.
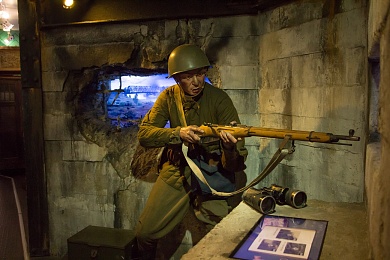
(101, 243)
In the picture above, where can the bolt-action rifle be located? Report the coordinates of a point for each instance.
(240, 131)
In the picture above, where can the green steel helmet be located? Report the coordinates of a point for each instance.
(186, 57)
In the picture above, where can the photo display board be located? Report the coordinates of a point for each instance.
(287, 238)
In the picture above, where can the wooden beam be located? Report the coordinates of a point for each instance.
(38, 220)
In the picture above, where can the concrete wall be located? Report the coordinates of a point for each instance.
(377, 164)
(313, 64)
(302, 66)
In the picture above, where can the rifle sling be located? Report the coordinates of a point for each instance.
(276, 159)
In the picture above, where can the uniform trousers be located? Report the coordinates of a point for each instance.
(168, 203)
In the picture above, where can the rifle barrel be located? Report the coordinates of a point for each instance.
(247, 131)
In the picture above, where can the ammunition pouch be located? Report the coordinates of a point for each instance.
(173, 154)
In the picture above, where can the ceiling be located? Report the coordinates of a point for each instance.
(12, 9)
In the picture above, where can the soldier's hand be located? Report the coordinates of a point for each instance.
(190, 134)
(228, 140)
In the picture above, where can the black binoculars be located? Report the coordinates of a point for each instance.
(264, 200)
(260, 200)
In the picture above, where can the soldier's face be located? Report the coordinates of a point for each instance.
(192, 82)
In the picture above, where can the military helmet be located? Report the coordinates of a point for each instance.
(186, 57)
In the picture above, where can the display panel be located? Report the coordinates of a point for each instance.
(287, 238)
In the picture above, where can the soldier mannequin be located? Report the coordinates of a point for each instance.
(186, 105)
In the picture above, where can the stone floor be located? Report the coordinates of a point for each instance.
(10, 243)
(13, 216)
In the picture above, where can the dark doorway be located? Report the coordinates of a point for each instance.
(11, 133)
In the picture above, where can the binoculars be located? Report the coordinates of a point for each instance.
(264, 200)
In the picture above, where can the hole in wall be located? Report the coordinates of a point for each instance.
(131, 96)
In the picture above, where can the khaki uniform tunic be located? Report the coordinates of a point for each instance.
(169, 199)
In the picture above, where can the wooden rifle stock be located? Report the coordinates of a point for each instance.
(240, 131)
